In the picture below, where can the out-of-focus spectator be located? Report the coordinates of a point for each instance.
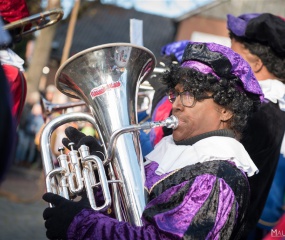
(89, 130)
(34, 124)
(259, 39)
(23, 143)
(278, 232)
(7, 122)
(7, 126)
(12, 64)
(50, 92)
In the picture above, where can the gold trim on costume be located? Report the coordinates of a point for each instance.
(149, 191)
(268, 224)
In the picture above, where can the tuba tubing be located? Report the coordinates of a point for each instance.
(48, 107)
(51, 127)
(66, 175)
(51, 172)
(37, 21)
(170, 122)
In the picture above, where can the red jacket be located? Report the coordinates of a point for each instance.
(18, 88)
(13, 10)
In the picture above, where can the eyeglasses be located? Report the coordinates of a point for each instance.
(187, 98)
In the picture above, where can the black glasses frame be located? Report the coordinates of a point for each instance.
(180, 94)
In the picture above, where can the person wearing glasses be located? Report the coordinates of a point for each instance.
(196, 178)
(161, 107)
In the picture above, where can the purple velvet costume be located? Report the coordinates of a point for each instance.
(178, 207)
(200, 201)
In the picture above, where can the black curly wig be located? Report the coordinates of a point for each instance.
(274, 63)
(226, 92)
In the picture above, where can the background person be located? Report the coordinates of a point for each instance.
(7, 122)
(12, 64)
(196, 177)
(24, 139)
(259, 39)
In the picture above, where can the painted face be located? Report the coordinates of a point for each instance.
(203, 117)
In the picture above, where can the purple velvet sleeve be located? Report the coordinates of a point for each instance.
(93, 225)
(169, 224)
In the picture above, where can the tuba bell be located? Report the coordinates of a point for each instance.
(107, 79)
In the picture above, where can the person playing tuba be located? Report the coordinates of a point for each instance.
(196, 178)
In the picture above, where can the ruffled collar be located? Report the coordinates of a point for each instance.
(274, 91)
(170, 156)
(9, 57)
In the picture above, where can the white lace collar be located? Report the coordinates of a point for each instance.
(274, 91)
(171, 157)
(9, 57)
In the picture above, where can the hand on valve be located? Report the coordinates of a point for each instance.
(79, 138)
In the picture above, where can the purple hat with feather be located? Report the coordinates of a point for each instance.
(264, 28)
(222, 62)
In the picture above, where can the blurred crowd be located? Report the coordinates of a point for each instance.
(36, 114)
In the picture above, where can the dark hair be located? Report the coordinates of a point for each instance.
(273, 62)
(227, 93)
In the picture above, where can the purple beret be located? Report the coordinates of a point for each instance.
(263, 28)
(223, 61)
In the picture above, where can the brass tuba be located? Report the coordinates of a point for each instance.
(107, 79)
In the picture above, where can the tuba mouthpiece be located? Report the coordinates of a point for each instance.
(171, 122)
